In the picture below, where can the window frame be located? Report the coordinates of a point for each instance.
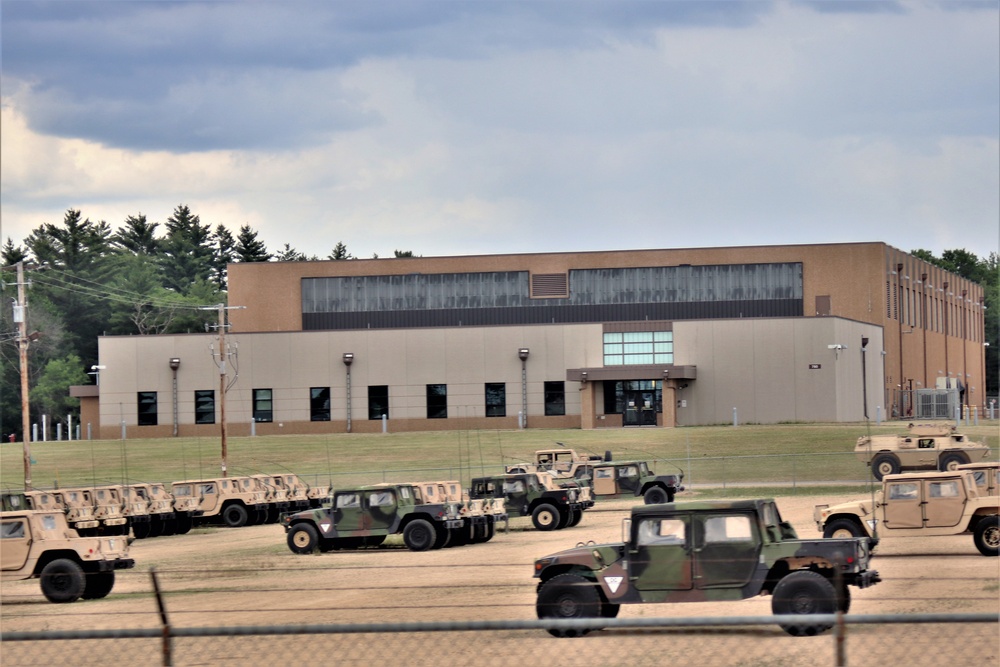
(319, 404)
(148, 415)
(374, 398)
(202, 413)
(258, 411)
(497, 407)
(555, 398)
(438, 407)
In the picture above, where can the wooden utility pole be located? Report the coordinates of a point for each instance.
(223, 358)
(21, 318)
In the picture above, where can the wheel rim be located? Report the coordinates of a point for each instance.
(991, 537)
(546, 518)
(841, 533)
(60, 582)
(803, 604)
(567, 607)
(885, 468)
(301, 539)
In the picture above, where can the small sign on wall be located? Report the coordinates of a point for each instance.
(815, 367)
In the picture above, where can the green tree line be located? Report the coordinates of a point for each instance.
(86, 280)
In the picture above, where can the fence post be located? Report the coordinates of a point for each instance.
(167, 641)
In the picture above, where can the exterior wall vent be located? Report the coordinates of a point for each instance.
(549, 286)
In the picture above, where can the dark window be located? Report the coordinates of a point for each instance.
(496, 399)
(378, 401)
(319, 404)
(204, 406)
(555, 399)
(147, 408)
(437, 401)
(263, 405)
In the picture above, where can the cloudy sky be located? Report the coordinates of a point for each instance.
(468, 127)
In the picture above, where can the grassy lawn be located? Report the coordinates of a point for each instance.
(786, 454)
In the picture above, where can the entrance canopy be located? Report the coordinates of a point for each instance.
(651, 372)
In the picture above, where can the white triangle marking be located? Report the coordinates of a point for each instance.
(613, 583)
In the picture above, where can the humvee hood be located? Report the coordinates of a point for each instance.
(592, 556)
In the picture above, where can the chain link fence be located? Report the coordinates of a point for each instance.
(914, 640)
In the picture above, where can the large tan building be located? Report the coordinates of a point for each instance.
(835, 332)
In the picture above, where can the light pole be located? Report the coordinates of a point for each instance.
(348, 360)
(522, 354)
(175, 363)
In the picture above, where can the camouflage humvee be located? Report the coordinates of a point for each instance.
(534, 494)
(41, 544)
(607, 478)
(931, 446)
(365, 516)
(704, 551)
(916, 505)
(235, 501)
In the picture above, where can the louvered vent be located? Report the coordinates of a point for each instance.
(549, 286)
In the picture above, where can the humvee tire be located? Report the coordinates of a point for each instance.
(142, 529)
(235, 516)
(63, 581)
(655, 495)
(804, 592)
(950, 462)
(841, 528)
(576, 518)
(987, 535)
(568, 596)
(546, 517)
(419, 535)
(183, 524)
(302, 538)
(98, 585)
(884, 464)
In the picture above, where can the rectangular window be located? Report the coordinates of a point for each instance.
(437, 401)
(638, 348)
(319, 404)
(378, 401)
(496, 399)
(263, 405)
(555, 399)
(204, 406)
(147, 408)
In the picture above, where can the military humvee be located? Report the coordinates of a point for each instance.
(931, 446)
(109, 510)
(704, 551)
(607, 478)
(235, 501)
(987, 476)
(534, 494)
(40, 544)
(917, 504)
(161, 516)
(365, 516)
(76, 504)
(479, 515)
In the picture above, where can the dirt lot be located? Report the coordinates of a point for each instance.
(248, 577)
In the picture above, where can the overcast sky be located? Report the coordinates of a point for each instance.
(478, 127)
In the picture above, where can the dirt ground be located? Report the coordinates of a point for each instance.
(248, 577)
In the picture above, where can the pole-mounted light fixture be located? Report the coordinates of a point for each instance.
(348, 360)
(522, 353)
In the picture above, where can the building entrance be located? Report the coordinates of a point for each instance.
(640, 408)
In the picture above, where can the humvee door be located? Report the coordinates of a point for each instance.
(15, 539)
(662, 559)
(381, 504)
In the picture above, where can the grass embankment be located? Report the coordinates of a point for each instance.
(744, 456)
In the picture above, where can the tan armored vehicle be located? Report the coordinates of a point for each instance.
(931, 446)
(76, 504)
(479, 515)
(987, 476)
(916, 505)
(109, 510)
(234, 501)
(159, 517)
(40, 544)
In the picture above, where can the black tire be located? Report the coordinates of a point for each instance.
(443, 538)
(986, 535)
(577, 517)
(804, 592)
(565, 516)
(488, 531)
(419, 535)
(655, 495)
(609, 610)
(568, 596)
(950, 462)
(141, 529)
(183, 524)
(842, 529)
(98, 585)
(302, 538)
(884, 464)
(160, 527)
(63, 581)
(235, 516)
(545, 517)
(844, 599)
